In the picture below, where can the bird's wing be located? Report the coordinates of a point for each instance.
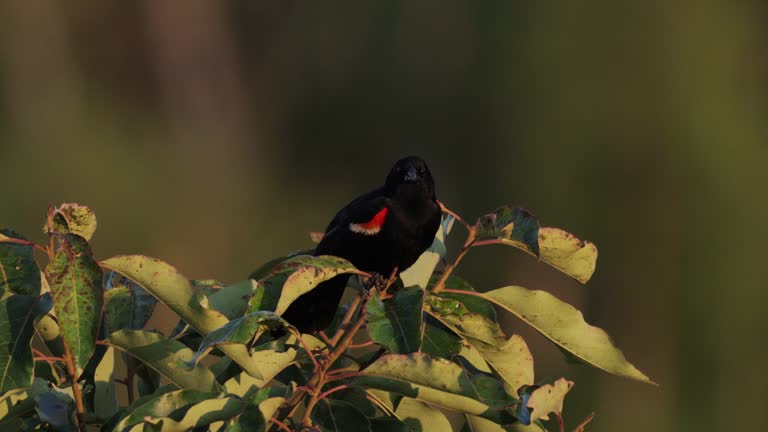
(362, 210)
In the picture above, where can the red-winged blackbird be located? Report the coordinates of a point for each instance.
(384, 229)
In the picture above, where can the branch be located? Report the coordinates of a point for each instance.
(583, 425)
(23, 242)
(337, 352)
(440, 285)
(51, 250)
(455, 215)
(345, 322)
(342, 341)
(333, 390)
(69, 359)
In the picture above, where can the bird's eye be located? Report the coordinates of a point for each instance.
(422, 171)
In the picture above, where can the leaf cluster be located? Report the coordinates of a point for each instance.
(402, 354)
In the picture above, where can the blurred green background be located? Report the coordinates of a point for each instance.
(215, 135)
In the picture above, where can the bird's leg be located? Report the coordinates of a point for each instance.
(375, 281)
(390, 280)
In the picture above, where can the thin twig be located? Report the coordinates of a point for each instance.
(341, 371)
(390, 280)
(24, 243)
(69, 359)
(583, 425)
(49, 223)
(455, 215)
(345, 322)
(343, 339)
(469, 293)
(333, 390)
(560, 422)
(280, 424)
(308, 350)
(37, 352)
(440, 285)
(48, 358)
(324, 337)
(342, 376)
(361, 345)
(337, 352)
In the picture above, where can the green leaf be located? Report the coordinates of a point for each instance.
(388, 424)
(167, 356)
(105, 400)
(147, 379)
(296, 276)
(513, 226)
(419, 416)
(232, 300)
(397, 323)
(239, 331)
(441, 383)
(17, 316)
(471, 359)
(564, 325)
(511, 360)
(173, 404)
(272, 358)
(76, 285)
(419, 273)
(19, 272)
(128, 306)
(473, 325)
(165, 283)
(75, 219)
(267, 267)
(472, 303)
(336, 415)
(439, 340)
(479, 424)
(262, 407)
(210, 411)
(519, 228)
(563, 251)
(18, 402)
(57, 409)
(443, 306)
(357, 397)
(548, 398)
(54, 371)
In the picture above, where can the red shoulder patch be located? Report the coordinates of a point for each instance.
(373, 226)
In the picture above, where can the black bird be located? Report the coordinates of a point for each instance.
(384, 229)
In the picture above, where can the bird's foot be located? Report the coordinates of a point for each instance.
(376, 281)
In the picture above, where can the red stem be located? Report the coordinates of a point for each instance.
(342, 376)
(48, 358)
(362, 345)
(280, 424)
(455, 215)
(25, 243)
(308, 350)
(333, 390)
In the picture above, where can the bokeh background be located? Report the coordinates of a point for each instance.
(215, 135)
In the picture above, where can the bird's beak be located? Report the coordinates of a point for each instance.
(412, 175)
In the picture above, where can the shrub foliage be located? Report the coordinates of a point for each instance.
(403, 353)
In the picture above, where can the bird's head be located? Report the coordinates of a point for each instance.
(410, 176)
